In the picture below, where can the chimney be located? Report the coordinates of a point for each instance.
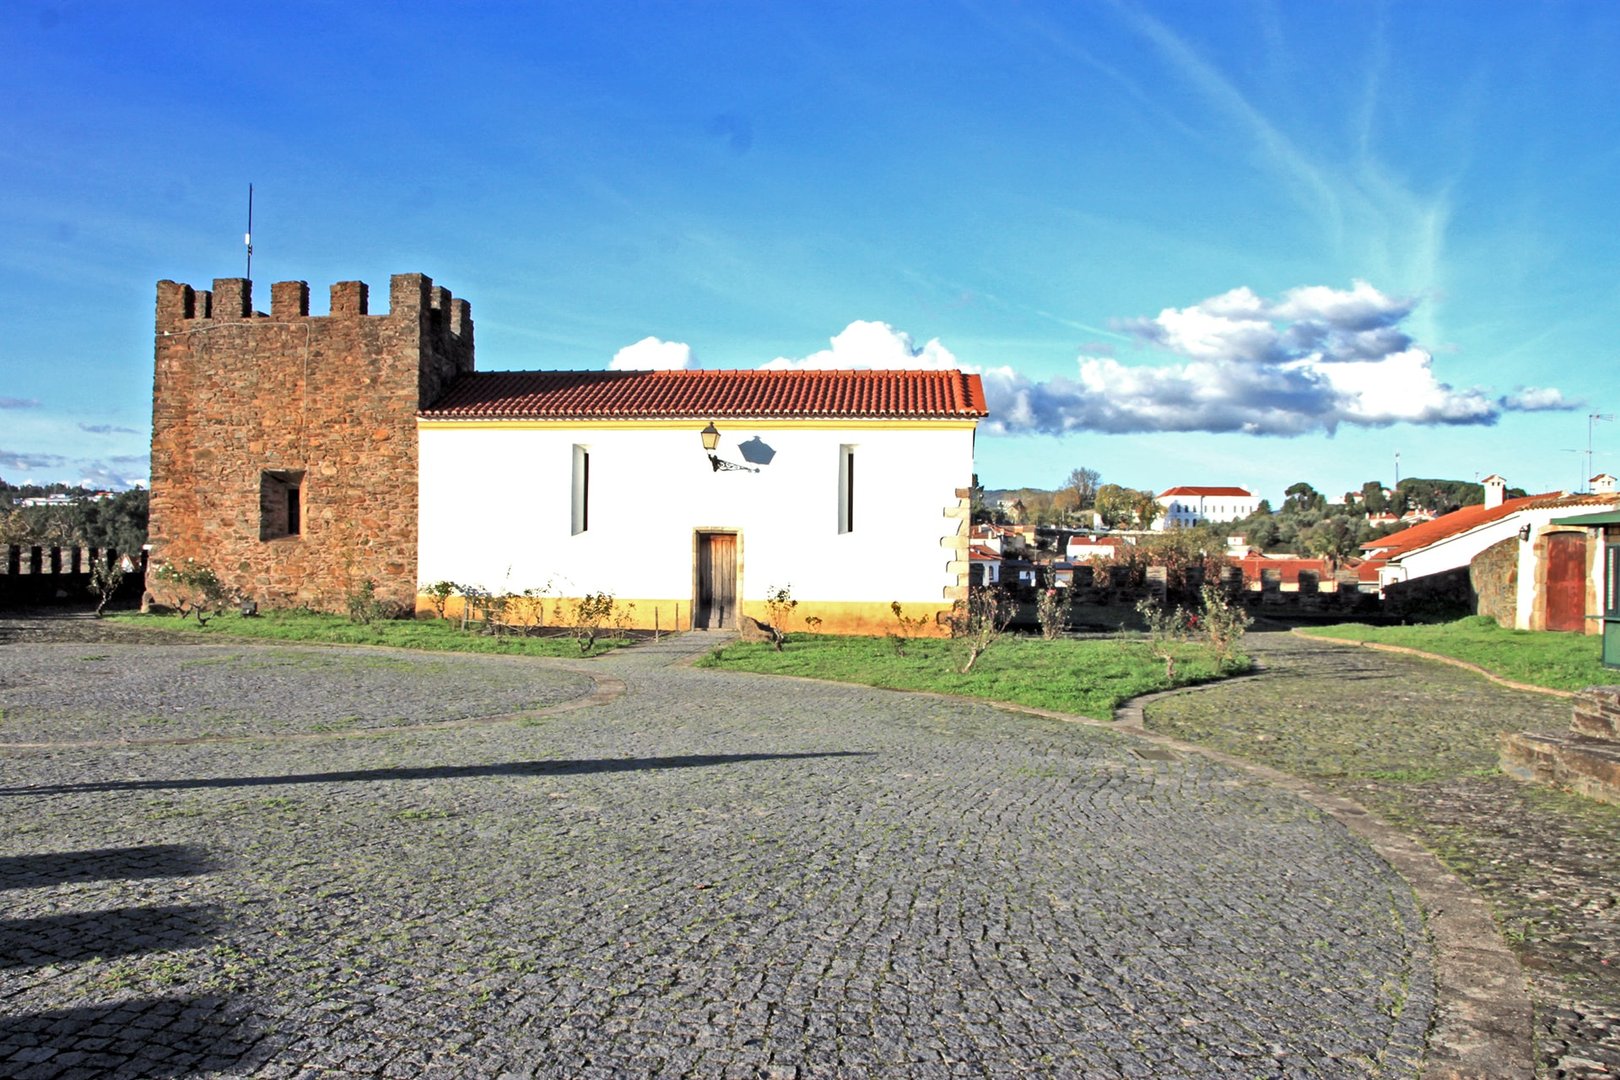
(1602, 484)
(1495, 488)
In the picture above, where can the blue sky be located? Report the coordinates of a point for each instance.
(1205, 243)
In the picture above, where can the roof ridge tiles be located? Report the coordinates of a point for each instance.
(735, 392)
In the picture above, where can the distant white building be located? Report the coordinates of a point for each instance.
(1182, 507)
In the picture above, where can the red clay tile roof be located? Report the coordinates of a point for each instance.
(703, 395)
(1225, 492)
(1469, 517)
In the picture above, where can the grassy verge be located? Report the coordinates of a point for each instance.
(1085, 677)
(1537, 658)
(436, 635)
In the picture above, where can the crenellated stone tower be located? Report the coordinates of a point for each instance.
(284, 446)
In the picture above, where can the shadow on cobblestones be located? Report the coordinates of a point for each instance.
(158, 1038)
(102, 864)
(57, 939)
(430, 772)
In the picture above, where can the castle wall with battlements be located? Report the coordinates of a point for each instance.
(284, 445)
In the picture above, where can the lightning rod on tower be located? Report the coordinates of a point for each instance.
(247, 237)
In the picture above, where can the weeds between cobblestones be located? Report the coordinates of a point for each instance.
(1415, 742)
(713, 874)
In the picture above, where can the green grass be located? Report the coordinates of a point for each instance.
(1537, 658)
(437, 635)
(1090, 678)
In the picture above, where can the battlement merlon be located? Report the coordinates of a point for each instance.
(411, 296)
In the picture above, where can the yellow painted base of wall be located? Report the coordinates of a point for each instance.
(835, 617)
(857, 617)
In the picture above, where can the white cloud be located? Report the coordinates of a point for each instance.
(1538, 399)
(653, 354)
(119, 474)
(872, 345)
(1318, 358)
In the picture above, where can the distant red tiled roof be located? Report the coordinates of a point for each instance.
(702, 395)
(1225, 492)
(1288, 567)
(983, 554)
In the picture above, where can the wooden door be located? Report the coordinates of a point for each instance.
(1566, 581)
(716, 606)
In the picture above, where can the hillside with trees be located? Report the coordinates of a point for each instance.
(115, 521)
(1306, 523)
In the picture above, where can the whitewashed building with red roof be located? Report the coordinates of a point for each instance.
(1189, 505)
(849, 488)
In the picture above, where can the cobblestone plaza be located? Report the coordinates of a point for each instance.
(276, 861)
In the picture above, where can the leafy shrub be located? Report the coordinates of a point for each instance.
(1223, 623)
(1167, 628)
(362, 603)
(779, 605)
(197, 589)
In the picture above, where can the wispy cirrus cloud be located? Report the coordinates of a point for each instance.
(107, 429)
(19, 461)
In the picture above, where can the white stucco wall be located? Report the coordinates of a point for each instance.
(495, 509)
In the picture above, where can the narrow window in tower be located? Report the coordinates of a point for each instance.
(281, 503)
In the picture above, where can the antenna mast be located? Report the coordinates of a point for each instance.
(247, 237)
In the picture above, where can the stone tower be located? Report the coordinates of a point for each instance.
(284, 447)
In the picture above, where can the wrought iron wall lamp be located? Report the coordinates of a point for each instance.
(711, 440)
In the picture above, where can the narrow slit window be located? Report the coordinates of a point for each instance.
(581, 490)
(846, 489)
(281, 503)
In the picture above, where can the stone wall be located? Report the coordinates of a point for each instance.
(284, 446)
(1494, 577)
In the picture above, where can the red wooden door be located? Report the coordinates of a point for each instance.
(1566, 581)
(717, 581)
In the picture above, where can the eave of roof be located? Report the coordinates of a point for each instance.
(699, 395)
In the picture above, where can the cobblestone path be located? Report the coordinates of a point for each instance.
(1545, 861)
(708, 875)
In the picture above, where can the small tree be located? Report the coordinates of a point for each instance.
(105, 579)
(439, 594)
(591, 613)
(979, 622)
(1052, 610)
